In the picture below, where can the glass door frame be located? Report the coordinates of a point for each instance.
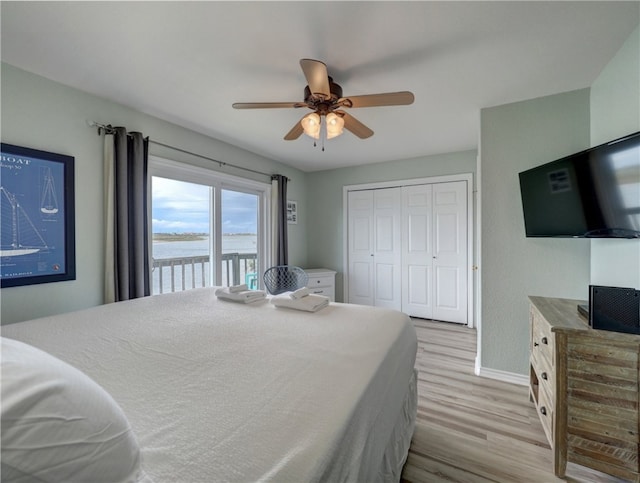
(217, 181)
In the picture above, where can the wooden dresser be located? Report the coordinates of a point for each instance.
(585, 385)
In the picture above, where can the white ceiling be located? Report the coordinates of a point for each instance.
(187, 62)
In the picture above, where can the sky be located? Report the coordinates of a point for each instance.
(180, 207)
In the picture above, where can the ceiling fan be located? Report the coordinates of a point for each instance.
(324, 98)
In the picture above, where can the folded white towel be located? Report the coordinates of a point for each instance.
(310, 303)
(245, 297)
(298, 294)
(238, 288)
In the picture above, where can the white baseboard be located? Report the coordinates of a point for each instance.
(504, 376)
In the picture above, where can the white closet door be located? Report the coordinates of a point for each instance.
(408, 249)
(361, 248)
(387, 253)
(450, 251)
(417, 251)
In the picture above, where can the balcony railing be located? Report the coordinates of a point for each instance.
(184, 273)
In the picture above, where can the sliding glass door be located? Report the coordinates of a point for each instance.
(239, 213)
(207, 228)
(181, 235)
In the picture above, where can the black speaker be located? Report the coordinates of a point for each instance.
(614, 308)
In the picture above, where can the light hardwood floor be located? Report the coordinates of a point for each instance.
(471, 429)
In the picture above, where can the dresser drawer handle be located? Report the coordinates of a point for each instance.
(544, 376)
(543, 411)
(544, 341)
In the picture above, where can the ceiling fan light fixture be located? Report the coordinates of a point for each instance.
(323, 97)
(335, 125)
(311, 125)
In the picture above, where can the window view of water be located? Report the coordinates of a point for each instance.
(246, 243)
(234, 269)
(181, 224)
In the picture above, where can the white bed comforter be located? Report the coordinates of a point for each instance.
(219, 391)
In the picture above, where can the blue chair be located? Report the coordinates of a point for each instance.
(284, 278)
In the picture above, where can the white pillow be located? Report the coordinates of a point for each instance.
(60, 425)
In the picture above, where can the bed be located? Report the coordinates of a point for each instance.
(211, 390)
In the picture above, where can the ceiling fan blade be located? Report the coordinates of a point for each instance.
(355, 126)
(295, 132)
(317, 77)
(374, 100)
(267, 105)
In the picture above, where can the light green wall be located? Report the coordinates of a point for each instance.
(325, 210)
(515, 137)
(615, 112)
(42, 114)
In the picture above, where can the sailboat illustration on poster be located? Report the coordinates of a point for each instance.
(19, 234)
(49, 202)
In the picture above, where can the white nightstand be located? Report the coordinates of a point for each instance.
(322, 281)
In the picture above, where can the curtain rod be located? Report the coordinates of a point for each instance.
(108, 129)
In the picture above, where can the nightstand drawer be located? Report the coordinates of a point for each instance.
(320, 282)
(326, 291)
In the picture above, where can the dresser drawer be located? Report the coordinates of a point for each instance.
(542, 341)
(545, 378)
(545, 413)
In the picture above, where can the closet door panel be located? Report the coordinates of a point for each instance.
(387, 243)
(360, 281)
(419, 292)
(448, 279)
(361, 242)
(447, 236)
(385, 236)
(450, 251)
(360, 246)
(386, 294)
(417, 251)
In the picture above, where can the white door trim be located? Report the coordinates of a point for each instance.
(468, 177)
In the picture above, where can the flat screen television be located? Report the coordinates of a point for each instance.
(591, 194)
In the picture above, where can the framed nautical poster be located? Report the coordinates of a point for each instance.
(37, 219)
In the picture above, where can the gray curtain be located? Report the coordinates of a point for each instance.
(280, 246)
(127, 244)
